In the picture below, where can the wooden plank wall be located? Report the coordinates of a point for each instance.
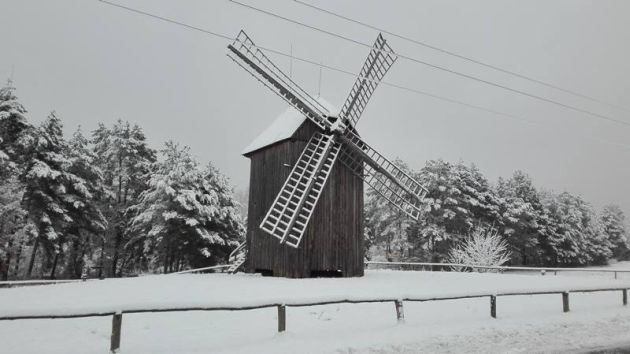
(334, 237)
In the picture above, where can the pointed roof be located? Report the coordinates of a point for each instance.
(282, 127)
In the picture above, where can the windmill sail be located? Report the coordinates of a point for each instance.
(262, 68)
(378, 62)
(380, 183)
(382, 175)
(291, 211)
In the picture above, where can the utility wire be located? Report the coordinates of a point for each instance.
(434, 66)
(346, 72)
(167, 20)
(460, 56)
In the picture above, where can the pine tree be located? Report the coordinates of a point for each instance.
(459, 199)
(440, 209)
(59, 198)
(380, 226)
(188, 216)
(596, 241)
(386, 226)
(13, 130)
(521, 216)
(124, 157)
(12, 224)
(85, 233)
(45, 178)
(575, 233)
(613, 223)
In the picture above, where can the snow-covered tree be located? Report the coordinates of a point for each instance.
(385, 225)
(596, 241)
(613, 222)
(45, 178)
(188, 216)
(459, 198)
(6, 164)
(124, 157)
(85, 234)
(59, 193)
(13, 126)
(576, 236)
(482, 247)
(521, 215)
(383, 237)
(12, 224)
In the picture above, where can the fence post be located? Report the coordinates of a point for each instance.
(115, 339)
(615, 275)
(493, 306)
(282, 318)
(400, 314)
(624, 294)
(565, 301)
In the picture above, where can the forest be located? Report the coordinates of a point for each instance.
(106, 204)
(540, 227)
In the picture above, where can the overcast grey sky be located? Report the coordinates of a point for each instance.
(94, 63)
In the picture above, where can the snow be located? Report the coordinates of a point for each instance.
(524, 322)
(282, 127)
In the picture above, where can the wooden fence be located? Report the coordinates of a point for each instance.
(18, 283)
(221, 267)
(117, 316)
(543, 270)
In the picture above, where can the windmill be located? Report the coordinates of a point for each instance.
(333, 137)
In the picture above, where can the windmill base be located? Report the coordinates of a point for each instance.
(310, 274)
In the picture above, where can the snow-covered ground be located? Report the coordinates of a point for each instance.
(524, 324)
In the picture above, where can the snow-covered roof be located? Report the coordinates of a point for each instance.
(283, 127)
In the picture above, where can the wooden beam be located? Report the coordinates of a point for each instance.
(282, 318)
(565, 301)
(400, 314)
(116, 327)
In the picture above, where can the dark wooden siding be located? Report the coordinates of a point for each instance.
(334, 237)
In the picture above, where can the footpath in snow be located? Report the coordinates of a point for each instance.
(524, 323)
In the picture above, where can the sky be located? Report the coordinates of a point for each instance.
(93, 63)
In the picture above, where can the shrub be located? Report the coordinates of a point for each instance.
(482, 247)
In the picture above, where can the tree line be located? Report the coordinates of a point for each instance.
(108, 204)
(540, 227)
(105, 203)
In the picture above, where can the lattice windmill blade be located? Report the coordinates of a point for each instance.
(291, 211)
(381, 174)
(378, 62)
(383, 185)
(262, 68)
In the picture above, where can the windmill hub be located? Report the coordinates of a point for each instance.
(336, 126)
(317, 187)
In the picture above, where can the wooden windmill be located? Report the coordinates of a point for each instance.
(315, 205)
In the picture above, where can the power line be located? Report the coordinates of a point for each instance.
(332, 68)
(460, 56)
(434, 66)
(167, 20)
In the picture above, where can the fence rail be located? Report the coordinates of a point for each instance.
(17, 283)
(216, 267)
(282, 307)
(500, 268)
